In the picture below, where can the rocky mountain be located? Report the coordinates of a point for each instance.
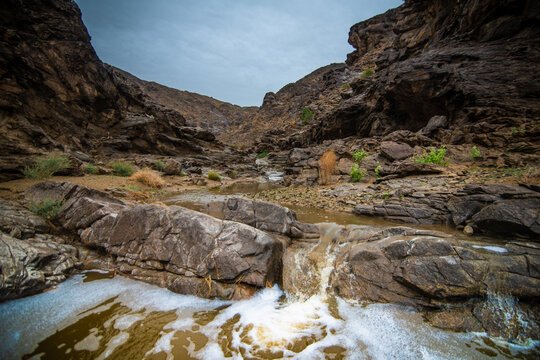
(56, 95)
(471, 62)
(203, 111)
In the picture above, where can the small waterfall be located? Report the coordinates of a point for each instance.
(308, 266)
(502, 314)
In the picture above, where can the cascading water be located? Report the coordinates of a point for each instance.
(117, 318)
(506, 316)
(98, 315)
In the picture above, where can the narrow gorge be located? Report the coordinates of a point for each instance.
(387, 207)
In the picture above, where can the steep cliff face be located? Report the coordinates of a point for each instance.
(56, 95)
(473, 62)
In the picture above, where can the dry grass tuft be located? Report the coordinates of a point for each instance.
(327, 166)
(148, 177)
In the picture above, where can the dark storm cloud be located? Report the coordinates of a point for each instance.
(234, 51)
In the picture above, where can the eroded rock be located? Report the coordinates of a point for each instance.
(30, 266)
(184, 243)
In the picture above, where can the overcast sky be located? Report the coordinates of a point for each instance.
(234, 51)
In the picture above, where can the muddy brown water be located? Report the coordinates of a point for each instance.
(96, 315)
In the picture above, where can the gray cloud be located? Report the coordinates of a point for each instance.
(235, 51)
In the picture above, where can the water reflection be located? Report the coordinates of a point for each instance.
(118, 318)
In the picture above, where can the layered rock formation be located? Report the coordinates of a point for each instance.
(467, 63)
(454, 281)
(494, 209)
(56, 95)
(31, 259)
(183, 250)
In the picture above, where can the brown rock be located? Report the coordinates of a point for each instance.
(172, 167)
(396, 151)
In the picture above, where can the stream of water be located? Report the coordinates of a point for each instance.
(95, 315)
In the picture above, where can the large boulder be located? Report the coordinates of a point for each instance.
(19, 222)
(172, 167)
(396, 151)
(30, 266)
(519, 216)
(181, 249)
(427, 270)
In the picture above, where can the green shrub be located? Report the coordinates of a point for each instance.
(46, 167)
(346, 86)
(47, 209)
(214, 175)
(357, 174)
(377, 169)
(435, 156)
(367, 73)
(306, 115)
(358, 156)
(122, 168)
(158, 165)
(262, 155)
(475, 153)
(91, 169)
(516, 130)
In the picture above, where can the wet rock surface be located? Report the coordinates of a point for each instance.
(495, 209)
(459, 285)
(30, 266)
(195, 250)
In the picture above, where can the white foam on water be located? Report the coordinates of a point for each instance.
(266, 321)
(491, 248)
(115, 342)
(90, 343)
(27, 321)
(126, 321)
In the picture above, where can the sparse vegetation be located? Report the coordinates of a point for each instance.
(516, 130)
(158, 165)
(213, 175)
(357, 173)
(475, 153)
(358, 156)
(306, 115)
(148, 177)
(377, 170)
(122, 168)
(367, 73)
(346, 86)
(46, 167)
(91, 169)
(47, 208)
(327, 165)
(262, 155)
(232, 174)
(435, 156)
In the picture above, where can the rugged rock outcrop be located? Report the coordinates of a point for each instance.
(453, 280)
(183, 250)
(440, 274)
(452, 73)
(57, 96)
(198, 110)
(31, 260)
(32, 265)
(494, 209)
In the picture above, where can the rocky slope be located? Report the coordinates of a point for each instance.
(471, 62)
(56, 95)
(198, 110)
